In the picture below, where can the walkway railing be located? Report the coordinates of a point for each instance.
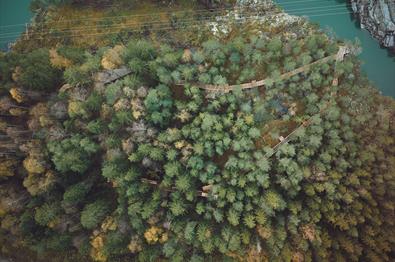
(339, 56)
(343, 51)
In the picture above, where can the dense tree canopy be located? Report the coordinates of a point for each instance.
(150, 166)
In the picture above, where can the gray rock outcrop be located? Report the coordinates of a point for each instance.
(378, 17)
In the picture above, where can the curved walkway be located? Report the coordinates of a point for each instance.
(339, 56)
(343, 51)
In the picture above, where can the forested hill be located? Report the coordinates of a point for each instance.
(199, 131)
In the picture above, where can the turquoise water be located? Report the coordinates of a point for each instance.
(13, 16)
(331, 14)
(334, 15)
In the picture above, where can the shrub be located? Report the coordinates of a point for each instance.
(37, 72)
(94, 213)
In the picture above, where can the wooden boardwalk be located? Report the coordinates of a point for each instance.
(339, 56)
(206, 190)
(343, 51)
(303, 125)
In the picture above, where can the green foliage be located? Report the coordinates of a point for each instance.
(112, 93)
(82, 74)
(177, 208)
(94, 102)
(94, 213)
(74, 76)
(72, 154)
(159, 105)
(76, 193)
(59, 242)
(47, 213)
(27, 223)
(158, 169)
(115, 244)
(141, 49)
(37, 72)
(96, 127)
(8, 61)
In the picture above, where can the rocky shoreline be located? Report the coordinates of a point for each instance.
(378, 17)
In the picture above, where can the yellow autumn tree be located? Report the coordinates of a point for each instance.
(16, 94)
(112, 57)
(39, 110)
(34, 165)
(97, 244)
(155, 234)
(57, 60)
(39, 183)
(98, 238)
(7, 167)
(76, 109)
(135, 245)
(16, 73)
(17, 111)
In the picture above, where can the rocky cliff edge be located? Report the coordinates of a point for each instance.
(378, 17)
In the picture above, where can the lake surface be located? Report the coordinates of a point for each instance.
(335, 15)
(331, 14)
(14, 14)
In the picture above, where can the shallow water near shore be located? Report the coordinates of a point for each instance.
(334, 15)
(14, 14)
